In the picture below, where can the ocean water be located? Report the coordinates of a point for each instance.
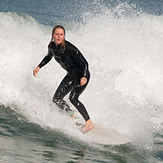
(123, 43)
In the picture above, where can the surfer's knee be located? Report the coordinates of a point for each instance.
(55, 99)
(73, 100)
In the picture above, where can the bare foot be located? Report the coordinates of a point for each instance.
(88, 126)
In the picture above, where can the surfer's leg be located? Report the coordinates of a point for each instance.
(74, 98)
(74, 95)
(63, 89)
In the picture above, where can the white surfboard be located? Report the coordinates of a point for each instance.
(103, 136)
(107, 136)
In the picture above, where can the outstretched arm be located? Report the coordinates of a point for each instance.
(46, 59)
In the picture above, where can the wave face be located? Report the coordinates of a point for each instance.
(51, 12)
(125, 58)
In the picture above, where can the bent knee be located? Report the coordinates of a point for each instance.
(55, 99)
(73, 100)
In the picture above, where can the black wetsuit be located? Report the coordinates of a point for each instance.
(71, 59)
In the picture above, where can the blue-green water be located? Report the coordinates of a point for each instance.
(122, 41)
(23, 141)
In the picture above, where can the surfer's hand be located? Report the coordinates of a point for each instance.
(83, 81)
(36, 70)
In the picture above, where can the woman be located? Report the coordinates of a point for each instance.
(77, 78)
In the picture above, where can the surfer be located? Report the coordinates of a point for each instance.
(77, 78)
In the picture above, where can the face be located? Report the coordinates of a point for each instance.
(58, 36)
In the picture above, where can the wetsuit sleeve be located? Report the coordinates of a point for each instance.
(83, 60)
(79, 58)
(46, 59)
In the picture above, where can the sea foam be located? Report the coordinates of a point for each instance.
(125, 92)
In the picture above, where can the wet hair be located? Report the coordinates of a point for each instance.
(61, 27)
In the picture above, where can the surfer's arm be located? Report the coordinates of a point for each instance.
(81, 60)
(80, 57)
(46, 59)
